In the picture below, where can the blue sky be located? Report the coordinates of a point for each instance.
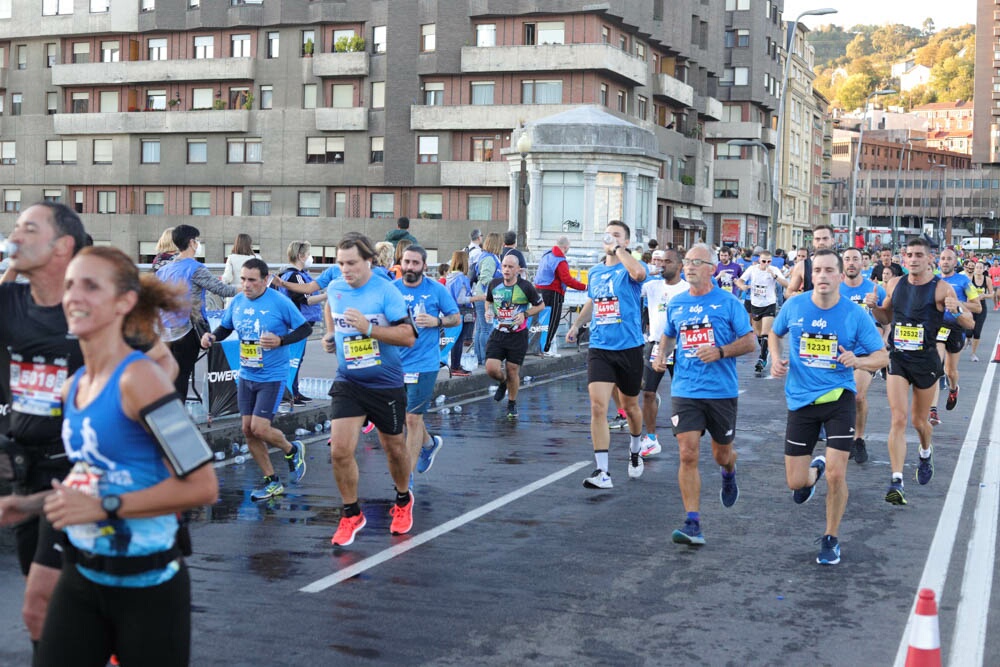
(878, 12)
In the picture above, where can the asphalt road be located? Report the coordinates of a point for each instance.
(512, 561)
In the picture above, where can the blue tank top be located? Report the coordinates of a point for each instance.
(113, 454)
(546, 273)
(916, 305)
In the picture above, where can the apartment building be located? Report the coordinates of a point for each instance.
(986, 88)
(303, 120)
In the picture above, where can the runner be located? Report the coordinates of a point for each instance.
(800, 279)
(431, 308)
(510, 302)
(915, 305)
(615, 356)
(987, 292)
(713, 330)
(266, 322)
(366, 323)
(951, 337)
(995, 279)
(658, 294)
(762, 279)
(862, 291)
(727, 271)
(831, 341)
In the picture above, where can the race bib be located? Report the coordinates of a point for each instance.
(505, 317)
(727, 287)
(361, 352)
(251, 354)
(860, 300)
(36, 388)
(655, 351)
(908, 337)
(607, 310)
(695, 335)
(759, 290)
(86, 479)
(942, 334)
(411, 378)
(818, 350)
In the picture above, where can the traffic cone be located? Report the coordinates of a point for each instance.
(925, 640)
(996, 355)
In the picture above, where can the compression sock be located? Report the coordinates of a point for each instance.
(601, 457)
(635, 443)
(763, 348)
(694, 516)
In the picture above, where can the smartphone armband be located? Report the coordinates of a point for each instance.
(178, 437)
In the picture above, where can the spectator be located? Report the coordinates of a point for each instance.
(552, 279)
(242, 251)
(300, 259)
(165, 249)
(401, 233)
(475, 246)
(458, 284)
(483, 272)
(510, 248)
(385, 257)
(396, 270)
(443, 273)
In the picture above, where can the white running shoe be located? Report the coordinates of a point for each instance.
(599, 479)
(635, 466)
(649, 447)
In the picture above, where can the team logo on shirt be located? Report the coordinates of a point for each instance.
(821, 323)
(695, 309)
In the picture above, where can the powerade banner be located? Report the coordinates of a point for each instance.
(447, 341)
(224, 372)
(538, 331)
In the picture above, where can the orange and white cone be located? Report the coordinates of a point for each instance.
(996, 355)
(925, 640)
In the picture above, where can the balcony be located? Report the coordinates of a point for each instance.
(152, 122)
(708, 108)
(674, 90)
(340, 64)
(475, 174)
(342, 120)
(727, 130)
(480, 117)
(154, 71)
(555, 58)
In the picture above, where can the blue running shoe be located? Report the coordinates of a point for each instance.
(894, 496)
(730, 492)
(427, 454)
(829, 550)
(925, 467)
(296, 462)
(804, 494)
(270, 489)
(689, 534)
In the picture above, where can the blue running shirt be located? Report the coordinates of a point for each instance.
(271, 312)
(717, 318)
(857, 294)
(964, 290)
(436, 301)
(616, 321)
(815, 341)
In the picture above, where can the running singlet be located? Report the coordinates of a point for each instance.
(616, 320)
(112, 454)
(658, 294)
(717, 318)
(360, 359)
(271, 312)
(858, 294)
(814, 343)
(761, 285)
(995, 275)
(915, 320)
(508, 301)
(434, 299)
(964, 290)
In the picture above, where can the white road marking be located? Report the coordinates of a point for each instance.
(446, 527)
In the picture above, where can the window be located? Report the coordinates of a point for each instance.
(56, 7)
(529, 34)
(429, 206)
(551, 32)
(244, 150)
(266, 97)
(737, 5)
(11, 201)
(273, 42)
(342, 96)
(238, 98)
(640, 50)
(309, 96)
(378, 95)
(342, 34)
(308, 42)
(645, 201)
(623, 42)
(99, 6)
(378, 150)
(480, 207)
(108, 100)
(201, 203)
(107, 201)
(324, 150)
(197, 151)
(238, 203)
(622, 101)
(156, 49)
(427, 149)
(147, 5)
(154, 203)
(81, 102)
(5, 8)
(260, 203)
(194, 4)
(602, 98)
(641, 104)
(482, 92)
(541, 92)
(81, 52)
(732, 113)
(8, 152)
(340, 204)
(201, 98)
(204, 47)
(110, 51)
(50, 55)
(727, 152)
(51, 103)
(156, 100)
(562, 198)
(309, 204)
(239, 46)
(735, 76)
(150, 151)
(727, 188)
(434, 94)
(379, 39)
(742, 38)
(382, 205)
(486, 34)
(427, 37)
(482, 149)
(22, 56)
(103, 151)
(15, 103)
(608, 197)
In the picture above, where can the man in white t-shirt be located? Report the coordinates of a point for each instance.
(658, 292)
(762, 280)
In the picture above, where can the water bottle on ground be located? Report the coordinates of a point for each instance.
(439, 400)
(457, 408)
(445, 411)
(301, 431)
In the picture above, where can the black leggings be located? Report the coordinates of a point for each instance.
(185, 350)
(980, 320)
(87, 622)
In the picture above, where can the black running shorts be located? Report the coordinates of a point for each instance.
(760, 312)
(804, 424)
(956, 340)
(507, 346)
(715, 415)
(386, 408)
(621, 367)
(651, 379)
(921, 372)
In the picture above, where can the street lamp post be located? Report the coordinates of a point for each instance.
(776, 175)
(857, 159)
(775, 204)
(895, 201)
(838, 183)
(524, 191)
(937, 230)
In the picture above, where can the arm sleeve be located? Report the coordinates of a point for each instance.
(295, 335)
(562, 272)
(221, 332)
(204, 279)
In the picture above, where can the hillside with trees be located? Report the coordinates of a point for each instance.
(853, 63)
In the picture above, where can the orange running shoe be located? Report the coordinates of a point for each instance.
(402, 517)
(348, 528)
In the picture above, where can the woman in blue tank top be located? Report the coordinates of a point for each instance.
(124, 587)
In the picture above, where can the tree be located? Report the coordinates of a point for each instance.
(953, 78)
(928, 27)
(859, 47)
(854, 90)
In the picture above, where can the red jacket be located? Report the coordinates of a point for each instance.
(562, 277)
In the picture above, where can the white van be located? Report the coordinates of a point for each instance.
(977, 243)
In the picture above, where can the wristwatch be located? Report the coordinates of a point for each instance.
(111, 505)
